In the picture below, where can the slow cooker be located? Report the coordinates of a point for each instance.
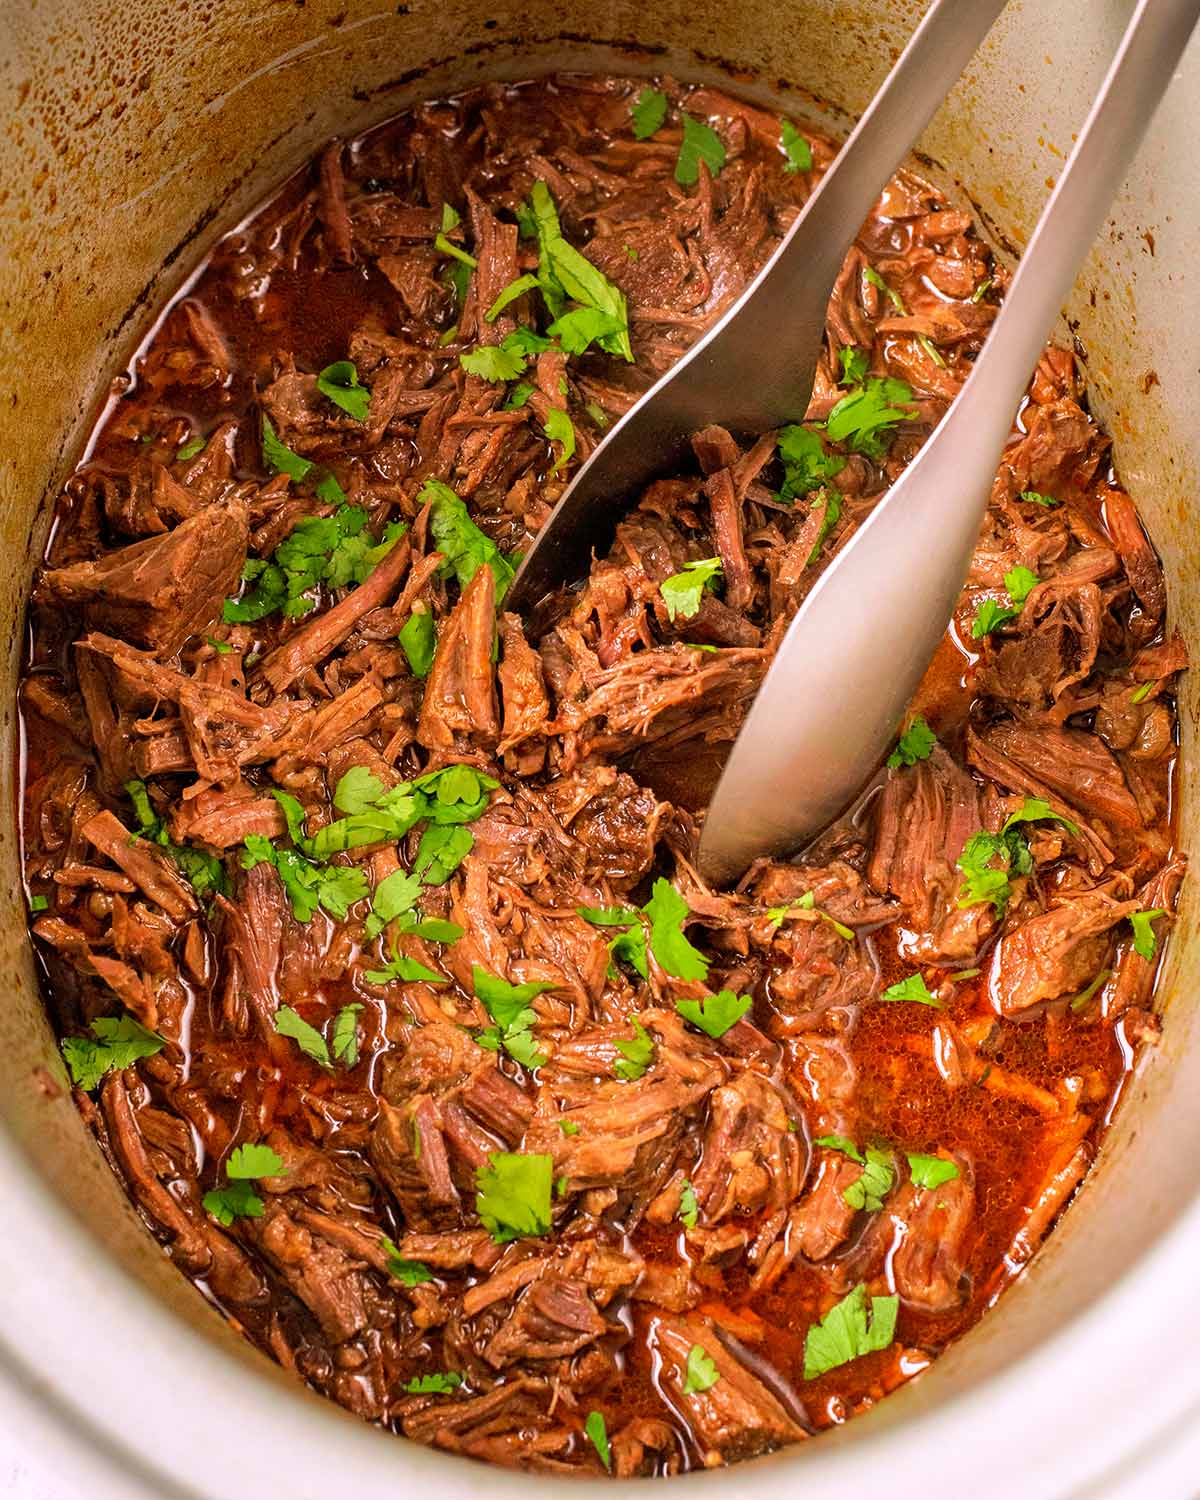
(136, 134)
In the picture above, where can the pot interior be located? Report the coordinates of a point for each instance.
(139, 133)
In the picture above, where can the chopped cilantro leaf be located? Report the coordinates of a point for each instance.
(511, 292)
(989, 617)
(39, 903)
(630, 948)
(841, 1143)
(893, 297)
(222, 648)
(339, 382)
(869, 1190)
(559, 430)
(667, 911)
(406, 970)
(564, 272)
(278, 456)
(345, 1034)
(582, 326)
(689, 1208)
(983, 880)
(512, 1195)
(636, 1054)
(866, 414)
(1034, 810)
(913, 988)
(190, 449)
(237, 1201)
(493, 362)
(518, 396)
(683, 590)
(701, 1373)
(806, 465)
(456, 536)
(609, 916)
(442, 849)
(1144, 940)
(715, 1014)
(307, 1038)
(795, 148)
(503, 1001)
(1020, 583)
(701, 143)
(831, 515)
(116, 1042)
(250, 1161)
(447, 248)
(854, 365)
(441, 1383)
(595, 1426)
(916, 743)
(418, 641)
(451, 218)
(930, 1171)
(649, 111)
(1139, 695)
(357, 790)
(1034, 497)
(568, 1127)
(844, 1333)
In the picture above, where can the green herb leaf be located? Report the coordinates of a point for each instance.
(512, 1195)
(504, 1002)
(357, 790)
(116, 1042)
(511, 292)
(869, 1190)
(683, 590)
(841, 1143)
(465, 548)
(795, 148)
(916, 743)
(649, 111)
(689, 1209)
(637, 1054)
(451, 218)
(307, 1038)
(410, 1272)
(667, 911)
(701, 143)
(237, 1201)
(339, 382)
(564, 272)
(701, 1373)
(844, 1333)
(893, 297)
(441, 243)
(864, 417)
(250, 1161)
(913, 988)
(190, 449)
(582, 326)
(595, 1426)
(854, 365)
(441, 850)
(493, 362)
(394, 894)
(1034, 498)
(39, 903)
(1034, 810)
(518, 396)
(930, 1171)
(279, 457)
(1020, 583)
(345, 1034)
(989, 617)
(715, 1014)
(806, 465)
(1145, 942)
(443, 1383)
(983, 880)
(559, 430)
(609, 916)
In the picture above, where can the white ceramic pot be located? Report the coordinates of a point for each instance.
(137, 132)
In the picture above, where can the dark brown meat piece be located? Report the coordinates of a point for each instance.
(460, 695)
(1057, 953)
(165, 589)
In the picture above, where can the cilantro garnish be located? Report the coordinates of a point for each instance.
(870, 1188)
(512, 1195)
(1034, 810)
(394, 894)
(334, 887)
(983, 878)
(339, 382)
(310, 1041)
(844, 1333)
(282, 460)
(564, 273)
(204, 872)
(410, 1272)
(777, 915)
(440, 1383)
(854, 365)
(465, 548)
(715, 1014)
(913, 988)
(518, 396)
(190, 449)
(689, 1208)
(637, 1054)
(1079, 1002)
(582, 326)
(493, 362)
(683, 590)
(441, 850)
(246, 1163)
(930, 1171)
(508, 1005)
(916, 743)
(345, 1034)
(1034, 497)
(990, 615)
(595, 1426)
(806, 465)
(406, 970)
(511, 292)
(667, 911)
(440, 242)
(39, 903)
(334, 550)
(701, 143)
(795, 148)
(559, 430)
(866, 414)
(1145, 941)
(1139, 695)
(649, 111)
(894, 297)
(116, 1042)
(701, 1373)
